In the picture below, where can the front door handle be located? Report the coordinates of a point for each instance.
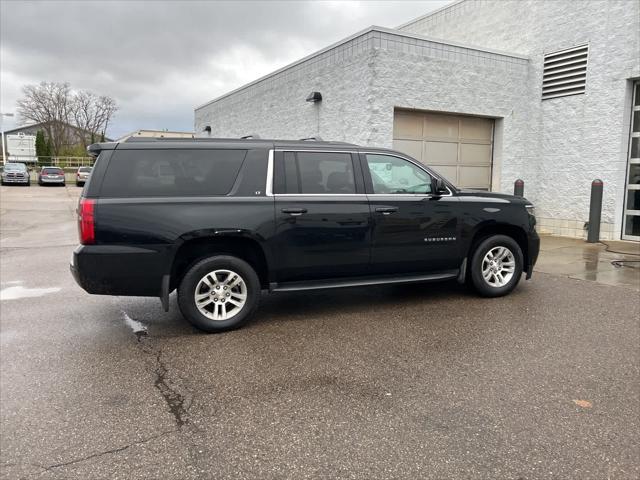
(386, 210)
(294, 211)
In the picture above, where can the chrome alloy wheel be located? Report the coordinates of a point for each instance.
(498, 266)
(220, 294)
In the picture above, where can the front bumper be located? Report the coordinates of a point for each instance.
(21, 180)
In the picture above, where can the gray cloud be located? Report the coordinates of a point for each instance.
(159, 59)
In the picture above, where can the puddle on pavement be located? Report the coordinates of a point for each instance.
(615, 277)
(18, 291)
(591, 262)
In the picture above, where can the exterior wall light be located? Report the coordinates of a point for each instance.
(314, 97)
(208, 129)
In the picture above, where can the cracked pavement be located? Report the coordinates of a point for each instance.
(421, 381)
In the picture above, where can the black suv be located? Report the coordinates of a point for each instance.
(221, 220)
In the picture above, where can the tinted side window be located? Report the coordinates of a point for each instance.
(166, 173)
(393, 175)
(325, 172)
(290, 173)
(285, 173)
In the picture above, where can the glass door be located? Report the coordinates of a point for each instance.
(631, 221)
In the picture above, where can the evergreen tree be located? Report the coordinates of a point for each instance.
(41, 145)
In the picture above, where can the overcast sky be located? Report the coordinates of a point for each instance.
(160, 59)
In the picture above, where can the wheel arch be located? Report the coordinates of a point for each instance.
(487, 230)
(195, 247)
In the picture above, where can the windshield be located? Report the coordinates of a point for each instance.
(52, 170)
(84, 169)
(20, 167)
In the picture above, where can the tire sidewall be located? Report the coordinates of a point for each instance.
(199, 269)
(476, 265)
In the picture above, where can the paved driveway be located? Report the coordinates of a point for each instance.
(426, 381)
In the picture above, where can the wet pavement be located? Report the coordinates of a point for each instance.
(612, 263)
(421, 381)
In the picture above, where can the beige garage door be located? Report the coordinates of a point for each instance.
(459, 147)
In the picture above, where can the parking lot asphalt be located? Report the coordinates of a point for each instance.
(421, 381)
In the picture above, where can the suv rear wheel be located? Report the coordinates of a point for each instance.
(496, 266)
(219, 293)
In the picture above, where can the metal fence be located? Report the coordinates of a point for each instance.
(63, 162)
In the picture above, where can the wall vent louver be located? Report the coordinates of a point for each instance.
(565, 72)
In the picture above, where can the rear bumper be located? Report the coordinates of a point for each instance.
(533, 250)
(51, 180)
(118, 270)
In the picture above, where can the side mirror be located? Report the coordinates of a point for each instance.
(439, 186)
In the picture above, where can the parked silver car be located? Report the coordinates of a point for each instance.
(51, 176)
(15, 173)
(82, 175)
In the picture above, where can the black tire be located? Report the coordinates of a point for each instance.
(189, 283)
(78, 184)
(484, 287)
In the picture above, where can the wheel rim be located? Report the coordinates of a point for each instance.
(220, 295)
(498, 267)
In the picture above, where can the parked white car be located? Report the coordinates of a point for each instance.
(82, 175)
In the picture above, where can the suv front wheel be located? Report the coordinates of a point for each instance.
(219, 293)
(496, 266)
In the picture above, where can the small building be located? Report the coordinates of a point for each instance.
(485, 92)
(71, 136)
(156, 134)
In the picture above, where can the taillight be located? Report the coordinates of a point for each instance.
(86, 221)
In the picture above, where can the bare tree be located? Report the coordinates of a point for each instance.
(48, 103)
(92, 114)
(67, 117)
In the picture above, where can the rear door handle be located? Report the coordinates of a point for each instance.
(386, 210)
(294, 211)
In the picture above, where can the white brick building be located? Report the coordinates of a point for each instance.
(461, 89)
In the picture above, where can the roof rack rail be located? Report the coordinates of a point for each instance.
(315, 139)
(250, 136)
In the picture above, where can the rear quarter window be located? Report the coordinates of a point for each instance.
(171, 173)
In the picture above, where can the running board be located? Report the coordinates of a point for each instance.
(362, 281)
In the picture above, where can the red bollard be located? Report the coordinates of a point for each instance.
(518, 188)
